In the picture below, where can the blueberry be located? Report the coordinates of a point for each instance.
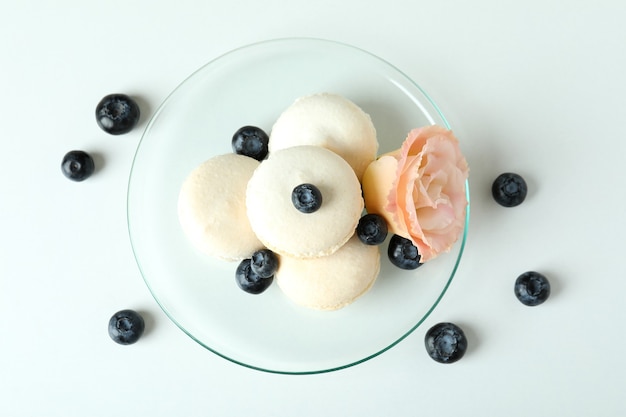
(249, 281)
(117, 114)
(445, 342)
(264, 263)
(372, 229)
(509, 189)
(532, 288)
(251, 141)
(126, 327)
(403, 253)
(77, 165)
(307, 198)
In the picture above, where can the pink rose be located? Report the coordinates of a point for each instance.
(420, 190)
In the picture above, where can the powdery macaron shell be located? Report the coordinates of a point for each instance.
(330, 282)
(331, 121)
(212, 207)
(284, 229)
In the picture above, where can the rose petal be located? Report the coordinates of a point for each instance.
(377, 183)
(406, 195)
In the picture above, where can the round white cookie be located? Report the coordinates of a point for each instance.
(212, 207)
(330, 282)
(331, 121)
(276, 221)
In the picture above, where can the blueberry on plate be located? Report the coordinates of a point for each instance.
(126, 327)
(445, 342)
(117, 114)
(532, 288)
(403, 253)
(509, 189)
(372, 229)
(249, 281)
(264, 263)
(77, 165)
(251, 141)
(306, 198)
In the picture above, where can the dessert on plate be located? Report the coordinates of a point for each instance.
(287, 230)
(330, 282)
(212, 207)
(330, 121)
(302, 202)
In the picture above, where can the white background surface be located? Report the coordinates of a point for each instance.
(535, 87)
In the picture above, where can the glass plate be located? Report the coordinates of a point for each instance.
(252, 86)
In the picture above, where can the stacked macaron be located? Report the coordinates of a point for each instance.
(212, 207)
(302, 202)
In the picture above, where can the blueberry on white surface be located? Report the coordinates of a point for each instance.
(372, 229)
(445, 342)
(532, 288)
(77, 165)
(264, 263)
(403, 253)
(251, 141)
(126, 327)
(249, 281)
(509, 189)
(306, 198)
(117, 114)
